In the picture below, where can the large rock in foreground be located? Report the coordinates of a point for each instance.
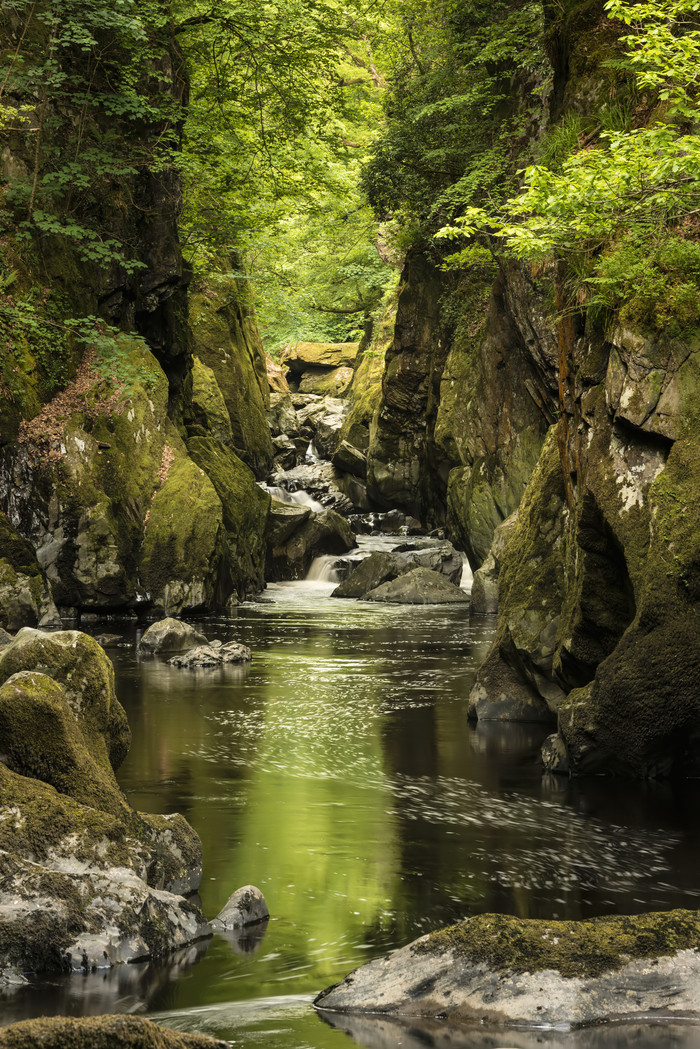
(502, 970)
(85, 881)
(101, 1032)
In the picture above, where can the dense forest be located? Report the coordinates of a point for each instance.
(278, 275)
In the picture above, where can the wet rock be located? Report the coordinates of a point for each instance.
(212, 655)
(87, 881)
(285, 452)
(441, 557)
(484, 592)
(101, 1032)
(322, 533)
(320, 481)
(374, 570)
(246, 906)
(109, 640)
(502, 970)
(419, 586)
(554, 755)
(350, 460)
(282, 416)
(170, 635)
(284, 520)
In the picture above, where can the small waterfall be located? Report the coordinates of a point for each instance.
(467, 575)
(297, 498)
(312, 455)
(322, 570)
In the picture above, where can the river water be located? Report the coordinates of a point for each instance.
(339, 774)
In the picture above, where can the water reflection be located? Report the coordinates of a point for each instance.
(338, 773)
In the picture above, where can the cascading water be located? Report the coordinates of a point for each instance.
(323, 569)
(299, 498)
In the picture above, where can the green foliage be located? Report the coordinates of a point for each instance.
(616, 210)
(467, 83)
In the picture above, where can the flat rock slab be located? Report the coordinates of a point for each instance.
(319, 355)
(496, 969)
(212, 656)
(101, 1032)
(421, 586)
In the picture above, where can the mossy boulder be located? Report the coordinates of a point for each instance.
(303, 356)
(419, 586)
(184, 558)
(497, 969)
(81, 667)
(87, 881)
(245, 510)
(227, 342)
(516, 681)
(99, 1032)
(206, 411)
(25, 594)
(170, 635)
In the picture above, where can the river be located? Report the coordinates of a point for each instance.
(339, 774)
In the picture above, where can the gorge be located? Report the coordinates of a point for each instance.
(516, 383)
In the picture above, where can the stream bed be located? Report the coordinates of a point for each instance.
(339, 774)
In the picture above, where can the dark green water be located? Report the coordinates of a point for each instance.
(338, 773)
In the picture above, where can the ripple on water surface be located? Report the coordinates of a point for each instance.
(338, 772)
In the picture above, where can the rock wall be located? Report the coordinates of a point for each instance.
(128, 463)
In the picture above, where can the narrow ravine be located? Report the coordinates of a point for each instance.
(339, 773)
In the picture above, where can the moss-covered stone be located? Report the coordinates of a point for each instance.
(227, 341)
(25, 594)
(574, 949)
(41, 737)
(77, 663)
(245, 509)
(101, 1032)
(206, 411)
(184, 564)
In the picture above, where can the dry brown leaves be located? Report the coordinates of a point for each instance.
(43, 435)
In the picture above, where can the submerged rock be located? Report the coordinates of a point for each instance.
(170, 635)
(419, 586)
(100, 1032)
(87, 882)
(503, 970)
(246, 906)
(212, 655)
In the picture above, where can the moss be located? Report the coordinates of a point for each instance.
(16, 551)
(207, 408)
(581, 949)
(82, 668)
(40, 737)
(227, 341)
(245, 510)
(184, 551)
(102, 1032)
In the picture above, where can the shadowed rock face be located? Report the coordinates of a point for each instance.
(502, 970)
(87, 882)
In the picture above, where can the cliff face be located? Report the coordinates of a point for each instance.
(589, 429)
(96, 474)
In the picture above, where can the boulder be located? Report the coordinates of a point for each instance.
(440, 557)
(87, 881)
(301, 357)
(484, 592)
(419, 586)
(284, 520)
(100, 1032)
(322, 533)
(25, 594)
(497, 969)
(170, 635)
(282, 416)
(350, 460)
(206, 412)
(212, 655)
(371, 572)
(331, 383)
(5, 638)
(285, 452)
(246, 906)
